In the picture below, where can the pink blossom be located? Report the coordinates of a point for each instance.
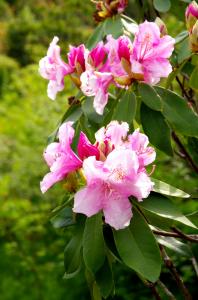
(109, 184)
(76, 59)
(96, 84)
(191, 15)
(60, 157)
(139, 143)
(52, 67)
(122, 5)
(86, 149)
(150, 53)
(97, 58)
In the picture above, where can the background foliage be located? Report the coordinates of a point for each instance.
(31, 250)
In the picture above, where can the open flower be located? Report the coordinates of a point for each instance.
(150, 54)
(96, 84)
(109, 184)
(52, 67)
(61, 158)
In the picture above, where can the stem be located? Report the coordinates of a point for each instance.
(178, 234)
(152, 287)
(169, 264)
(191, 238)
(184, 151)
(166, 290)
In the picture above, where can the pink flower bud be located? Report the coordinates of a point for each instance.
(162, 27)
(191, 15)
(194, 38)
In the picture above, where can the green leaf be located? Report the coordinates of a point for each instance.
(156, 128)
(164, 207)
(184, 51)
(192, 147)
(93, 243)
(73, 114)
(156, 220)
(72, 252)
(181, 36)
(175, 245)
(113, 26)
(126, 108)
(96, 36)
(96, 292)
(178, 113)
(194, 79)
(89, 111)
(138, 248)
(149, 96)
(104, 279)
(168, 190)
(162, 5)
(63, 218)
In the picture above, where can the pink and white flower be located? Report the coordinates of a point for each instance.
(109, 184)
(96, 84)
(53, 68)
(150, 53)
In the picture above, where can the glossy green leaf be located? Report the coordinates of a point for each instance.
(73, 114)
(104, 279)
(138, 248)
(168, 190)
(156, 128)
(193, 148)
(89, 111)
(157, 220)
(113, 26)
(72, 252)
(194, 79)
(181, 36)
(164, 207)
(63, 218)
(162, 5)
(178, 113)
(126, 108)
(175, 245)
(184, 51)
(96, 36)
(149, 96)
(93, 243)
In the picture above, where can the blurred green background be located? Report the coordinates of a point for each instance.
(31, 250)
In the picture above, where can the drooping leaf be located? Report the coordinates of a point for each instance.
(164, 207)
(194, 79)
(113, 26)
(96, 36)
(156, 128)
(63, 218)
(93, 243)
(138, 248)
(89, 111)
(178, 113)
(72, 252)
(162, 5)
(184, 51)
(126, 108)
(168, 190)
(192, 147)
(175, 245)
(181, 36)
(104, 279)
(150, 97)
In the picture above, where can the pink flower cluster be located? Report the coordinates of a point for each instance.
(114, 169)
(118, 61)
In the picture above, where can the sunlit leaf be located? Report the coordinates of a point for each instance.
(138, 248)
(168, 190)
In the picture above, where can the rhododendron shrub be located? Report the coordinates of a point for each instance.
(103, 153)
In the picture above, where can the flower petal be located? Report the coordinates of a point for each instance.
(88, 200)
(117, 211)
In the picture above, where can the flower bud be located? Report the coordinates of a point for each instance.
(108, 8)
(191, 15)
(162, 26)
(194, 38)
